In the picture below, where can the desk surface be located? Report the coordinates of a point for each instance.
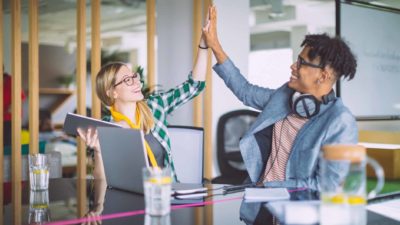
(127, 208)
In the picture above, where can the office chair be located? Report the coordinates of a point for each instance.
(230, 129)
(187, 152)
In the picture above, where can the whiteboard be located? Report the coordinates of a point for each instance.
(374, 36)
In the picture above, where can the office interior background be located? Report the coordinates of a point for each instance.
(261, 36)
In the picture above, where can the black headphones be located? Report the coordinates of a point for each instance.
(306, 105)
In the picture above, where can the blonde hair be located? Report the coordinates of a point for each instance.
(105, 81)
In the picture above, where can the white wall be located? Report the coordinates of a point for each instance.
(7, 38)
(234, 35)
(174, 30)
(174, 51)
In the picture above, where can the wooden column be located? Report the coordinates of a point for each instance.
(16, 109)
(197, 25)
(81, 97)
(33, 77)
(151, 32)
(95, 56)
(208, 150)
(208, 159)
(198, 101)
(1, 112)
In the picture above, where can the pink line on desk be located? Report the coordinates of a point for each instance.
(137, 212)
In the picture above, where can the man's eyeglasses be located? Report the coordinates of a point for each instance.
(129, 81)
(301, 61)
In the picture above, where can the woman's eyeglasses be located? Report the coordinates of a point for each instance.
(129, 81)
(301, 61)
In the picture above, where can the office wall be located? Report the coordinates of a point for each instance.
(174, 51)
(234, 35)
(174, 60)
(7, 38)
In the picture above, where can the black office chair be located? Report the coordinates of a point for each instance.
(231, 127)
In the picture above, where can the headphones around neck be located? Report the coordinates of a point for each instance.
(306, 105)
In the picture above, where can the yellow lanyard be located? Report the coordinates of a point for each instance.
(119, 116)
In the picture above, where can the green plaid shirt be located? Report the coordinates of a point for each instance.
(162, 104)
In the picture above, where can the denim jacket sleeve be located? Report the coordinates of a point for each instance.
(250, 94)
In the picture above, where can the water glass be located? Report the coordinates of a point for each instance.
(343, 194)
(157, 220)
(39, 211)
(39, 172)
(157, 191)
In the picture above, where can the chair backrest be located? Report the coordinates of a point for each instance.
(230, 129)
(187, 152)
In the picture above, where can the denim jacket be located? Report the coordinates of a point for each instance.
(334, 124)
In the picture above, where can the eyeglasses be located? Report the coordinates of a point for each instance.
(129, 81)
(301, 61)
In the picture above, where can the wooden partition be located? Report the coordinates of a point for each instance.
(151, 32)
(33, 77)
(208, 159)
(95, 56)
(81, 97)
(208, 150)
(16, 109)
(197, 25)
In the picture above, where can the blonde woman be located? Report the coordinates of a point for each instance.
(120, 90)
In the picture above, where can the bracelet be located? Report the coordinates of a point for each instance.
(203, 47)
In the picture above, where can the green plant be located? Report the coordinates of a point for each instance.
(66, 80)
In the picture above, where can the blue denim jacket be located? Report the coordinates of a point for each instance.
(334, 124)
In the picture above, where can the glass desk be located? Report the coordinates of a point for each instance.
(60, 205)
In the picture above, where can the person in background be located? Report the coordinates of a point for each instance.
(47, 132)
(281, 148)
(7, 107)
(120, 90)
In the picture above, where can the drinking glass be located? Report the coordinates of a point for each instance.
(39, 211)
(39, 172)
(157, 191)
(343, 194)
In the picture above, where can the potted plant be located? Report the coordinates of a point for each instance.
(66, 81)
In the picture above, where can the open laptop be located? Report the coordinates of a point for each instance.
(124, 158)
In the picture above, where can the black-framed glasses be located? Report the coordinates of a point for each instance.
(129, 81)
(301, 61)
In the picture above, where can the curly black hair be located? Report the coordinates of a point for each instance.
(333, 52)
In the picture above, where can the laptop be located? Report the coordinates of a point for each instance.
(124, 158)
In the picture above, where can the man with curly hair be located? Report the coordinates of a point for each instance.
(281, 148)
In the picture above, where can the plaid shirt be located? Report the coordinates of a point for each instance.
(162, 104)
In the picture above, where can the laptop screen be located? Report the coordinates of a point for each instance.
(124, 157)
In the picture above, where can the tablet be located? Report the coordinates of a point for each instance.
(73, 121)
